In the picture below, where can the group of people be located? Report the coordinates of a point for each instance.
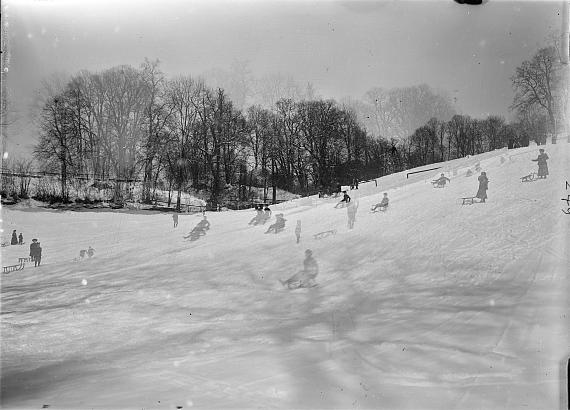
(17, 239)
(263, 215)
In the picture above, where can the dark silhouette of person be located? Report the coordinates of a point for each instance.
(542, 165)
(345, 199)
(20, 239)
(14, 238)
(175, 219)
(483, 186)
(36, 252)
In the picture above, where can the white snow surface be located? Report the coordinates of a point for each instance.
(430, 305)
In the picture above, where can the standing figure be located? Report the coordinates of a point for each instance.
(483, 186)
(36, 252)
(14, 238)
(33, 247)
(175, 219)
(298, 230)
(351, 213)
(90, 252)
(542, 165)
(306, 277)
(20, 239)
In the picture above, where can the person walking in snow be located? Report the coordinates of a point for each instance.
(483, 186)
(175, 219)
(345, 199)
(306, 277)
(298, 230)
(542, 165)
(20, 239)
(382, 204)
(36, 252)
(14, 240)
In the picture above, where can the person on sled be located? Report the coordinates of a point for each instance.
(441, 181)
(306, 277)
(382, 204)
(345, 199)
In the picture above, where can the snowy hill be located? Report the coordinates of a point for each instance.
(429, 305)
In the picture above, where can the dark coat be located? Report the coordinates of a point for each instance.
(542, 165)
(14, 238)
(483, 186)
(35, 250)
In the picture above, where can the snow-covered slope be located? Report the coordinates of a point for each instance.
(430, 305)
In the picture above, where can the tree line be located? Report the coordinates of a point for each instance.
(128, 124)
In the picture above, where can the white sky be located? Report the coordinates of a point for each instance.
(343, 48)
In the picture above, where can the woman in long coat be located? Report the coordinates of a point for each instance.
(14, 238)
(542, 165)
(483, 186)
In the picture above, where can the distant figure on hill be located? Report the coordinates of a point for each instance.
(483, 186)
(36, 252)
(204, 224)
(382, 205)
(298, 230)
(20, 239)
(345, 199)
(306, 277)
(278, 226)
(14, 238)
(175, 219)
(441, 181)
(90, 252)
(351, 209)
(542, 165)
(257, 218)
(267, 212)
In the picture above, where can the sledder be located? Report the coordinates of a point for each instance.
(382, 205)
(440, 182)
(345, 199)
(306, 277)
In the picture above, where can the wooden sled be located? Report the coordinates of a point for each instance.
(379, 209)
(468, 200)
(13, 268)
(29, 259)
(528, 178)
(437, 184)
(324, 234)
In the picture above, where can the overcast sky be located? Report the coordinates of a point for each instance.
(343, 48)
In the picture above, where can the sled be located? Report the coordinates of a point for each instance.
(324, 234)
(13, 268)
(379, 209)
(437, 184)
(529, 178)
(5, 244)
(20, 260)
(468, 200)
(298, 285)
